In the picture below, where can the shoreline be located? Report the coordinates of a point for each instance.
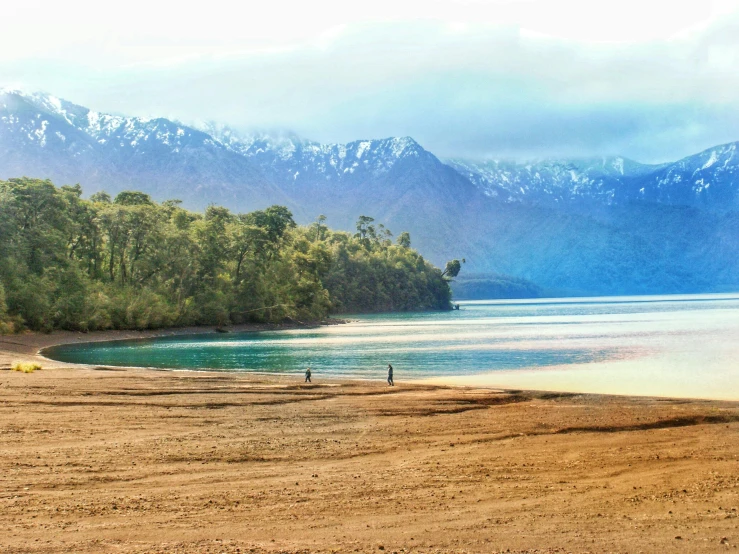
(600, 378)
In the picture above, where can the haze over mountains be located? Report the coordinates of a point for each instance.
(598, 226)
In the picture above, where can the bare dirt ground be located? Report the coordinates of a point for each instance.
(112, 460)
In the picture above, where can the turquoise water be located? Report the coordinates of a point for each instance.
(481, 337)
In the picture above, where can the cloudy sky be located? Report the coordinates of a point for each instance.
(654, 80)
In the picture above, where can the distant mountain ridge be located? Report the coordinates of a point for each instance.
(298, 160)
(601, 226)
(709, 179)
(217, 159)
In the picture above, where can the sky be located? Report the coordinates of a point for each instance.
(652, 80)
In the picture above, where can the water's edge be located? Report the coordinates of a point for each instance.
(664, 346)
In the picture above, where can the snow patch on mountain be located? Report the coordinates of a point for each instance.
(712, 160)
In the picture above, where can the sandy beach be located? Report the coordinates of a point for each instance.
(128, 460)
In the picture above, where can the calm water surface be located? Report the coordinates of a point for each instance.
(482, 337)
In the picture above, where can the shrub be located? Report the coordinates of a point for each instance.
(25, 367)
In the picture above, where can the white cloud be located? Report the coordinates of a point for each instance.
(148, 30)
(651, 79)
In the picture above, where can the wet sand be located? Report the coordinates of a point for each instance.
(129, 460)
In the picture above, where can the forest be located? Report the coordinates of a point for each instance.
(131, 263)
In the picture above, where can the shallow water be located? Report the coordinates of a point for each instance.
(661, 334)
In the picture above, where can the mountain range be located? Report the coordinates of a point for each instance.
(706, 180)
(591, 226)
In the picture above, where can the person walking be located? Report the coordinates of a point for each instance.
(390, 375)
(307, 375)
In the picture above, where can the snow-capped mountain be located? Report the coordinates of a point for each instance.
(603, 226)
(47, 136)
(293, 161)
(39, 119)
(709, 180)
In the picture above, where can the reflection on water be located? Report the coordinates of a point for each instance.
(481, 337)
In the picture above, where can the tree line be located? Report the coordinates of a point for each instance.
(131, 263)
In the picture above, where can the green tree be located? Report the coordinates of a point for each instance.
(452, 268)
(319, 227)
(101, 197)
(213, 239)
(365, 229)
(133, 198)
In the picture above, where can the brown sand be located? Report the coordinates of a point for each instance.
(111, 460)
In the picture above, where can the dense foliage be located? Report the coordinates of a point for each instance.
(131, 263)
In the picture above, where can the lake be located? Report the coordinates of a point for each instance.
(684, 345)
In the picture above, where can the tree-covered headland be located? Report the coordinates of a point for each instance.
(131, 263)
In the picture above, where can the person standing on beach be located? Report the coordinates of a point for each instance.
(390, 375)
(307, 375)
